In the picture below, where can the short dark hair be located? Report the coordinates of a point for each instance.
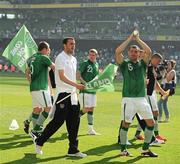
(43, 45)
(65, 40)
(134, 46)
(157, 55)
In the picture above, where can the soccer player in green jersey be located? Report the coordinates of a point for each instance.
(133, 94)
(88, 70)
(37, 75)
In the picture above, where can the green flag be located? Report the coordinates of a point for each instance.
(104, 81)
(21, 47)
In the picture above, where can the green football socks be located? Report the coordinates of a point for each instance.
(42, 117)
(90, 118)
(156, 129)
(148, 133)
(34, 119)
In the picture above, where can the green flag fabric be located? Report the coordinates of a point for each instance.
(104, 81)
(21, 47)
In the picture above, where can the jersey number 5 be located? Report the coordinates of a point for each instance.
(31, 67)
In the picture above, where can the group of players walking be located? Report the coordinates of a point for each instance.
(138, 96)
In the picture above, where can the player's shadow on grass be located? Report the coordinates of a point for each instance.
(99, 151)
(102, 149)
(32, 158)
(105, 148)
(28, 158)
(16, 144)
(107, 159)
(14, 137)
(17, 141)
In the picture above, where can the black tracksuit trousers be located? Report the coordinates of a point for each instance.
(64, 112)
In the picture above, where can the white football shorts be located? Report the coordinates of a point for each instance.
(87, 100)
(41, 99)
(152, 100)
(131, 106)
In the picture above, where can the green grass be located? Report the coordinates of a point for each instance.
(17, 147)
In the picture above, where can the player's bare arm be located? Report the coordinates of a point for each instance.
(145, 47)
(79, 77)
(28, 74)
(63, 77)
(118, 53)
(158, 88)
(170, 76)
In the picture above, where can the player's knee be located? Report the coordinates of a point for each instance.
(155, 113)
(86, 110)
(47, 109)
(150, 123)
(125, 124)
(37, 110)
(90, 110)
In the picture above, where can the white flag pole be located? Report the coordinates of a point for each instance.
(66, 97)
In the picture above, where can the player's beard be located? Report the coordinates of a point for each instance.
(70, 51)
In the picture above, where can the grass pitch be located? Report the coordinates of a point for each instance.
(17, 147)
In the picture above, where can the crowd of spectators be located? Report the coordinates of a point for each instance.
(94, 24)
(111, 23)
(106, 55)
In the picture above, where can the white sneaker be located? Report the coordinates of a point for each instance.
(160, 119)
(93, 132)
(128, 143)
(157, 142)
(78, 154)
(38, 150)
(126, 153)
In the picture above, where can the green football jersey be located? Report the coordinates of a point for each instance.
(88, 71)
(38, 65)
(133, 78)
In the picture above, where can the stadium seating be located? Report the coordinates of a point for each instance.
(95, 25)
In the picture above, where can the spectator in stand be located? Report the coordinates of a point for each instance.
(1, 67)
(6, 67)
(13, 68)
